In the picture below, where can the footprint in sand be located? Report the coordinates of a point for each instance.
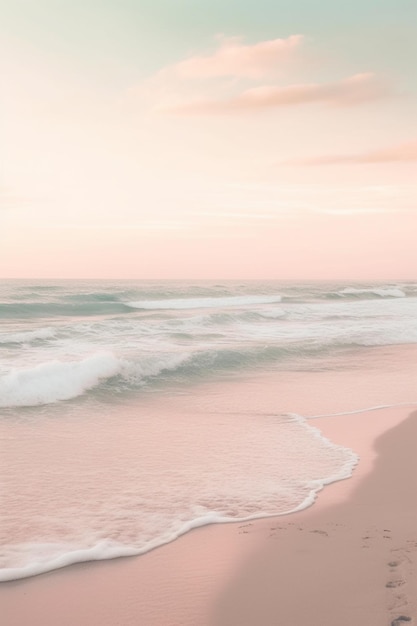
(398, 620)
(366, 539)
(398, 599)
(391, 584)
(244, 526)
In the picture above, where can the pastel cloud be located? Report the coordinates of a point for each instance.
(354, 90)
(405, 152)
(233, 58)
(219, 72)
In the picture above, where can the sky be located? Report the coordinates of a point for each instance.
(191, 139)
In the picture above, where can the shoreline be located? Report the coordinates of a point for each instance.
(207, 576)
(347, 561)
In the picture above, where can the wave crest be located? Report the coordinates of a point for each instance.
(386, 292)
(203, 303)
(56, 380)
(27, 336)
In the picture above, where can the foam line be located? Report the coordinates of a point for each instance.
(386, 292)
(66, 554)
(27, 336)
(201, 303)
(356, 411)
(107, 550)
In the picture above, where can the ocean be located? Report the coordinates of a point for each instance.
(132, 412)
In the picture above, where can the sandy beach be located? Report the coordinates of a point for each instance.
(348, 559)
(347, 562)
(208, 313)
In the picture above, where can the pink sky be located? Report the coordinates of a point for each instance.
(242, 161)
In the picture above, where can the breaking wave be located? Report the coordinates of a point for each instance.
(46, 304)
(386, 292)
(30, 336)
(203, 303)
(55, 380)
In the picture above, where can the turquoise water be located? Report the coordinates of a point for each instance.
(62, 340)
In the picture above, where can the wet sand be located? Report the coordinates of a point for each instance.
(349, 559)
(348, 562)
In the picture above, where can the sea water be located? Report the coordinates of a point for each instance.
(105, 450)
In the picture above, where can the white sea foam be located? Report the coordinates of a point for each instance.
(378, 407)
(191, 478)
(56, 380)
(53, 381)
(27, 336)
(385, 292)
(273, 314)
(201, 303)
(48, 557)
(149, 366)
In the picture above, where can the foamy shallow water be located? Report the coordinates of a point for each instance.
(123, 487)
(114, 443)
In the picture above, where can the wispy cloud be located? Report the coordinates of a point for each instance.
(231, 65)
(156, 225)
(405, 152)
(239, 77)
(233, 58)
(351, 91)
